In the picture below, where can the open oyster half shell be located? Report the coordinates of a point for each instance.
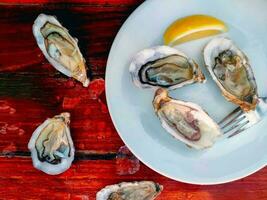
(60, 48)
(165, 67)
(231, 71)
(51, 145)
(143, 190)
(185, 121)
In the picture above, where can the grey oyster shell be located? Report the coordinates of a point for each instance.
(185, 121)
(143, 190)
(165, 67)
(51, 145)
(60, 48)
(231, 71)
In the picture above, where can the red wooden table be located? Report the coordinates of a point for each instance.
(31, 90)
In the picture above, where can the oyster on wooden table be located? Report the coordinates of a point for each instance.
(51, 145)
(60, 48)
(143, 190)
(185, 121)
(230, 69)
(165, 67)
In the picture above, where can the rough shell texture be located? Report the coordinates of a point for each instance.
(143, 190)
(51, 145)
(233, 76)
(160, 52)
(60, 48)
(185, 121)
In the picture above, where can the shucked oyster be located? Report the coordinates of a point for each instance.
(144, 190)
(51, 145)
(185, 121)
(59, 48)
(230, 69)
(163, 66)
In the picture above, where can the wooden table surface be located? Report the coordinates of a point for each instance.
(31, 90)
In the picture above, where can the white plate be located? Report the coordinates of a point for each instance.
(131, 108)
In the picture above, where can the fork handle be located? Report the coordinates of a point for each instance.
(261, 107)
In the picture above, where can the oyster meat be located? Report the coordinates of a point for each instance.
(230, 69)
(51, 145)
(165, 67)
(185, 121)
(60, 48)
(143, 190)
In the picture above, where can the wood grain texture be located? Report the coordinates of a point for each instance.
(85, 178)
(95, 25)
(26, 77)
(31, 90)
(91, 126)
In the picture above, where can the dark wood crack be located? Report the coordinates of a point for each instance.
(78, 155)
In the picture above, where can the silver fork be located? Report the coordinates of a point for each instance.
(238, 120)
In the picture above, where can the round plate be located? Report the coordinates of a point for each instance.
(131, 108)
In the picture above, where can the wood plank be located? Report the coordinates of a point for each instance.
(91, 126)
(85, 178)
(94, 25)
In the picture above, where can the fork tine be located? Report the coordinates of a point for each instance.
(234, 120)
(238, 125)
(241, 129)
(230, 116)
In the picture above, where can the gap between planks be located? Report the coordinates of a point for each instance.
(80, 155)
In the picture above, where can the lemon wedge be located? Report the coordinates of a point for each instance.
(192, 28)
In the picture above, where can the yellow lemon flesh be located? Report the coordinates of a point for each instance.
(192, 28)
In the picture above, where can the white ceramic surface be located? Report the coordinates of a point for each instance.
(131, 107)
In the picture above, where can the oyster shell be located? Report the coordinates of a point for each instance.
(230, 69)
(165, 67)
(143, 190)
(185, 121)
(51, 145)
(59, 48)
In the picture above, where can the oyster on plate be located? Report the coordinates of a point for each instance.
(230, 69)
(185, 121)
(165, 67)
(51, 146)
(143, 190)
(60, 48)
